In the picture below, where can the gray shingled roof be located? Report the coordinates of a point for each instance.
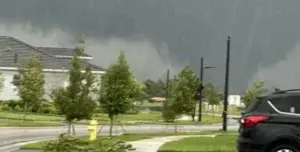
(10, 46)
(61, 51)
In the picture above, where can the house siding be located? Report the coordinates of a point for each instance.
(235, 100)
(52, 80)
(8, 90)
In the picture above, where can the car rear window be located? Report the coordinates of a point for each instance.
(253, 104)
(287, 104)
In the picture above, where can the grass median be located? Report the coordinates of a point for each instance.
(124, 137)
(225, 142)
(15, 119)
(19, 123)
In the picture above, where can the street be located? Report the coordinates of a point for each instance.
(13, 137)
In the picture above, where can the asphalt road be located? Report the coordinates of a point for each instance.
(12, 135)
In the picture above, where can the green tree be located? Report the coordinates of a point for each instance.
(212, 96)
(29, 82)
(168, 113)
(183, 90)
(118, 89)
(155, 88)
(75, 101)
(255, 90)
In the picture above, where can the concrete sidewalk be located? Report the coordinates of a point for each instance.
(153, 144)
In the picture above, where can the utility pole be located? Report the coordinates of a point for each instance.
(225, 110)
(200, 91)
(167, 84)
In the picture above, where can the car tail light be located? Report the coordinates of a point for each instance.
(251, 121)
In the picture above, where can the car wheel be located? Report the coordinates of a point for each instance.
(285, 148)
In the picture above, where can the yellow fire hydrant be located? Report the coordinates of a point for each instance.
(92, 128)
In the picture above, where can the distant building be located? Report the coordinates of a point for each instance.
(157, 99)
(235, 100)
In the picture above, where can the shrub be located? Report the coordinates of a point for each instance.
(99, 110)
(118, 146)
(66, 144)
(47, 108)
(72, 144)
(14, 103)
(18, 108)
(5, 107)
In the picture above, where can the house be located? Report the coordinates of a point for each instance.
(235, 100)
(55, 63)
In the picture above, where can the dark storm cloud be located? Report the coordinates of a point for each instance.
(161, 34)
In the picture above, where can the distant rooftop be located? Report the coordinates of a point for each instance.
(12, 51)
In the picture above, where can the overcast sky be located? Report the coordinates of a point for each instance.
(169, 34)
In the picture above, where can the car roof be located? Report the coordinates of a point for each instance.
(280, 95)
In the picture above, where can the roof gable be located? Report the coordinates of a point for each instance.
(10, 48)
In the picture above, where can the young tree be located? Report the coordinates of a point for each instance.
(212, 95)
(118, 88)
(168, 113)
(255, 90)
(29, 82)
(75, 101)
(182, 94)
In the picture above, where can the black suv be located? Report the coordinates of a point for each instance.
(271, 123)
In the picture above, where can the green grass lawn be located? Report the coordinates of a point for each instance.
(15, 119)
(232, 110)
(141, 116)
(152, 104)
(125, 137)
(19, 123)
(225, 142)
(30, 116)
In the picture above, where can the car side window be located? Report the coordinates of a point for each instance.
(264, 108)
(289, 104)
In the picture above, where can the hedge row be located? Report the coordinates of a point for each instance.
(45, 107)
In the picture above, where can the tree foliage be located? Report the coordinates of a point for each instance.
(182, 92)
(155, 88)
(118, 89)
(211, 94)
(168, 113)
(29, 82)
(254, 91)
(75, 101)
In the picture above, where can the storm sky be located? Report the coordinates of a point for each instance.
(157, 35)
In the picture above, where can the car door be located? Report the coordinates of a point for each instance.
(288, 109)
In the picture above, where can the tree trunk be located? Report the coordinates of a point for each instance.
(73, 129)
(175, 126)
(213, 112)
(193, 116)
(69, 127)
(111, 117)
(24, 112)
